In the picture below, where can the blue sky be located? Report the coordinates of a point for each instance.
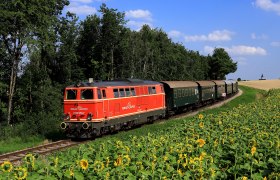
(249, 30)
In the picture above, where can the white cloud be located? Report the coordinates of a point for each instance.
(81, 9)
(137, 25)
(262, 36)
(268, 5)
(175, 34)
(218, 35)
(275, 44)
(240, 50)
(139, 14)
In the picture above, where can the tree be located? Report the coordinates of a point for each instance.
(22, 22)
(88, 49)
(221, 64)
(66, 67)
(112, 29)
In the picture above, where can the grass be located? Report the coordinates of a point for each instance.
(249, 95)
(17, 143)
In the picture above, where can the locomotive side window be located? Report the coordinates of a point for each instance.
(86, 94)
(99, 94)
(150, 90)
(133, 92)
(71, 94)
(104, 93)
(116, 93)
(122, 94)
(127, 92)
(154, 90)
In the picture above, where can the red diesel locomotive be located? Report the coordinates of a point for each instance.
(94, 108)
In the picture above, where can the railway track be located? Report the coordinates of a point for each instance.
(17, 156)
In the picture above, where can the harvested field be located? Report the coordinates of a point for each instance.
(262, 84)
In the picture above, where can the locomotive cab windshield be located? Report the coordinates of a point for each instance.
(71, 94)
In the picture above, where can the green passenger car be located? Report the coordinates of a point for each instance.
(180, 94)
(220, 89)
(229, 87)
(206, 90)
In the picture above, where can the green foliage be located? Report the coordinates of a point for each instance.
(221, 64)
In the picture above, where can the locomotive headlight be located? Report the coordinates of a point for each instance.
(89, 117)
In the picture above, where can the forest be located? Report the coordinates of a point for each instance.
(43, 50)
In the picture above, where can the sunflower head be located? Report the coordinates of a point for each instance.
(200, 142)
(20, 173)
(253, 150)
(200, 116)
(201, 125)
(7, 166)
(84, 164)
(119, 161)
(98, 166)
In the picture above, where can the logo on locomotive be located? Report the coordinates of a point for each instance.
(79, 108)
(128, 106)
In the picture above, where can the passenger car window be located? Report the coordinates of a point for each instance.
(86, 94)
(71, 94)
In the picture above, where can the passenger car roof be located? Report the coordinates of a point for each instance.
(180, 84)
(219, 82)
(206, 83)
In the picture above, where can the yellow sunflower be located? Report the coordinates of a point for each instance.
(30, 159)
(7, 166)
(126, 160)
(200, 116)
(84, 164)
(98, 166)
(201, 125)
(20, 173)
(179, 171)
(118, 162)
(200, 142)
(253, 150)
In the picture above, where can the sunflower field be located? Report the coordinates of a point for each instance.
(241, 143)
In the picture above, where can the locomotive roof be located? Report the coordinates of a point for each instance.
(117, 82)
(206, 83)
(180, 84)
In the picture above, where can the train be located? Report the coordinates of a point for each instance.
(94, 108)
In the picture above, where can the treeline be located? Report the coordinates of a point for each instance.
(42, 51)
